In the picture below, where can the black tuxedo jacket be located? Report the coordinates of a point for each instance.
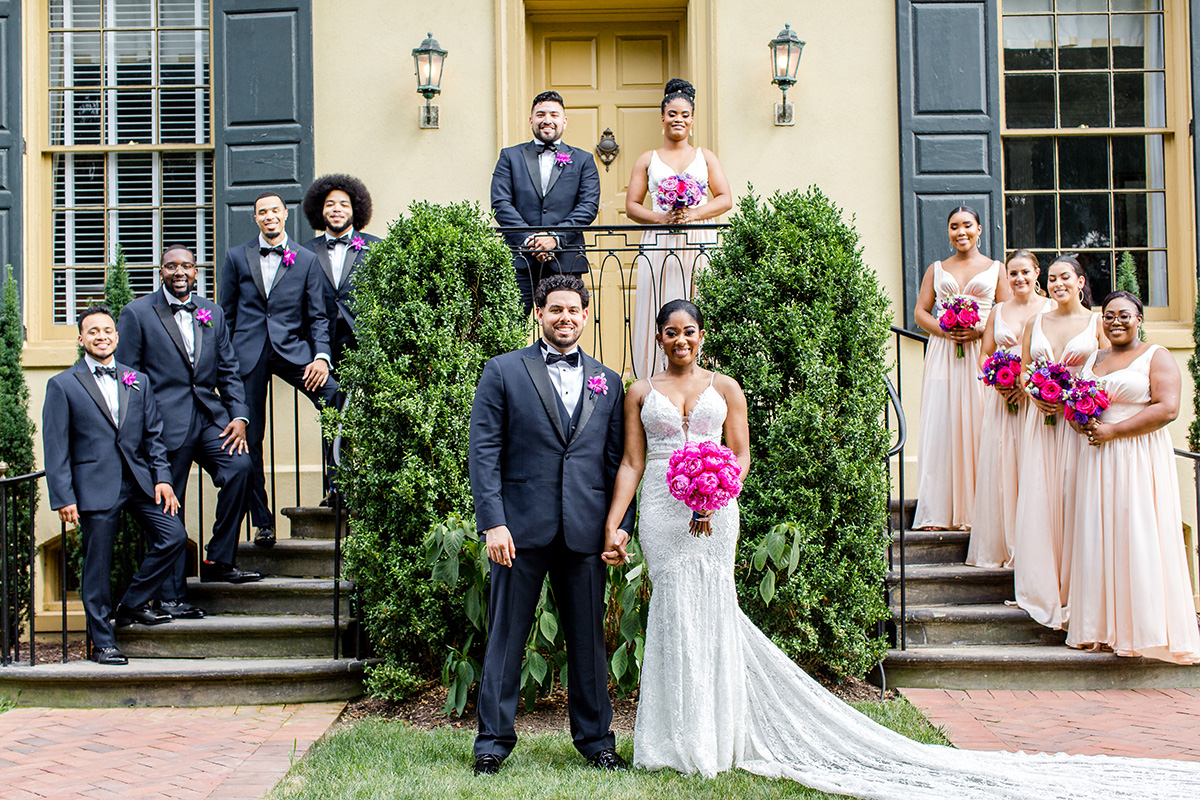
(84, 449)
(338, 294)
(150, 342)
(525, 472)
(573, 198)
(294, 319)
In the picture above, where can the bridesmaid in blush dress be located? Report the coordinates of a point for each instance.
(1045, 505)
(951, 395)
(1000, 432)
(668, 261)
(1130, 591)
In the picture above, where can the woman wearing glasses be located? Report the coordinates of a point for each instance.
(1130, 591)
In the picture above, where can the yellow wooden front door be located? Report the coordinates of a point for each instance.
(611, 76)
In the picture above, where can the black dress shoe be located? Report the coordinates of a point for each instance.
(178, 609)
(142, 615)
(217, 572)
(264, 538)
(488, 764)
(110, 656)
(608, 759)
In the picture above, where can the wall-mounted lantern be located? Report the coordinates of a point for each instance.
(429, 58)
(785, 61)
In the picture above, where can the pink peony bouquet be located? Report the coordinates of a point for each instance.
(680, 191)
(1002, 370)
(959, 311)
(1050, 383)
(705, 476)
(1085, 401)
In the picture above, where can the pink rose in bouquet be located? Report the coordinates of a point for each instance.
(959, 311)
(704, 476)
(1085, 401)
(680, 191)
(1001, 371)
(1049, 382)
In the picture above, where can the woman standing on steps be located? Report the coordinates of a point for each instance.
(1130, 591)
(1049, 450)
(951, 396)
(996, 484)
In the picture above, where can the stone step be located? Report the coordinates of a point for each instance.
(301, 596)
(950, 584)
(312, 522)
(290, 558)
(183, 682)
(931, 547)
(1030, 667)
(982, 624)
(233, 636)
(910, 512)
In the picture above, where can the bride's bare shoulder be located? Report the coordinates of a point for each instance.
(727, 386)
(638, 390)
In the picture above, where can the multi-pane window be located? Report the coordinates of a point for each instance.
(1085, 120)
(130, 142)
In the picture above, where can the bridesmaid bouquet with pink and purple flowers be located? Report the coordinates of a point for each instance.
(680, 191)
(959, 311)
(705, 476)
(1049, 382)
(1001, 370)
(1085, 401)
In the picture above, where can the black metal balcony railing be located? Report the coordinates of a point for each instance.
(18, 552)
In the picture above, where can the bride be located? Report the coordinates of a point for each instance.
(717, 694)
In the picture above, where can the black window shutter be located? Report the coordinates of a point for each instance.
(949, 78)
(11, 143)
(263, 85)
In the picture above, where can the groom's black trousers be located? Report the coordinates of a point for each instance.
(578, 583)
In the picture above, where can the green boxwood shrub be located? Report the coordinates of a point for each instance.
(795, 316)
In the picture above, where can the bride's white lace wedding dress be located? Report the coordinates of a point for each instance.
(717, 694)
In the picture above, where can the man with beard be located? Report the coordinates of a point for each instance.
(545, 183)
(340, 205)
(180, 340)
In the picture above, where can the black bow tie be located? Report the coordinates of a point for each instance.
(570, 359)
(109, 371)
(544, 146)
(277, 249)
(333, 241)
(189, 307)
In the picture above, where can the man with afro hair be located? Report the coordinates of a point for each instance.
(339, 205)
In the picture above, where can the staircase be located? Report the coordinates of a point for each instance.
(268, 642)
(960, 634)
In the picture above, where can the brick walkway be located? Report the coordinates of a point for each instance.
(226, 753)
(1151, 723)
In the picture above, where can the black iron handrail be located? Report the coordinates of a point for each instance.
(13, 564)
(896, 397)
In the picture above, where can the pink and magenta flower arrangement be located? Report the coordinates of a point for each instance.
(204, 317)
(959, 311)
(562, 159)
(1002, 370)
(1085, 401)
(680, 191)
(289, 258)
(130, 379)
(1049, 382)
(597, 385)
(358, 243)
(704, 476)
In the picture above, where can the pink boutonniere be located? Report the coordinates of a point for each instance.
(130, 379)
(357, 243)
(562, 159)
(204, 317)
(597, 384)
(289, 258)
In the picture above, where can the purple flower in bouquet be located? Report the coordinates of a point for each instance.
(1049, 382)
(1002, 369)
(1085, 401)
(680, 191)
(704, 476)
(959, 311)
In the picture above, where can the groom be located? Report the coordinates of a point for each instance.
(547, 434)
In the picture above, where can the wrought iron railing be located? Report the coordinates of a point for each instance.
(18, 553)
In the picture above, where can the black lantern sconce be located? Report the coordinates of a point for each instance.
(429, 58)
(785, 61)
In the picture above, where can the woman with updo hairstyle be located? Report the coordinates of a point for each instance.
(1130, 592)
(1042, 540)
(669, 260)
(951, 393)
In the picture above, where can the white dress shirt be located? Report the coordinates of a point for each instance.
(337, 256)
(186, 322)
(567, 380)
(108, 386)
(269, 264)
(546, 165)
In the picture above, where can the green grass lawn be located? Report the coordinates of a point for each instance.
(375, 758)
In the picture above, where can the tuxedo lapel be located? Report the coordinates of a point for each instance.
(352, 257)
(536, 365)
(557, 170)
(592, 368)
(535, 172)
(122, 398)
(321, 250)
(88, 381)
(254, 264)
(172, 328)
(197, 337)
(283, 268)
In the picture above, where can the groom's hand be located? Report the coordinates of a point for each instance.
(614, 548)
(500, 547)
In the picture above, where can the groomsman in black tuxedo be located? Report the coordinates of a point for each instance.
(273, 295)
(545, 183)
(104, 453)
(339, 205)
(181, 342)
